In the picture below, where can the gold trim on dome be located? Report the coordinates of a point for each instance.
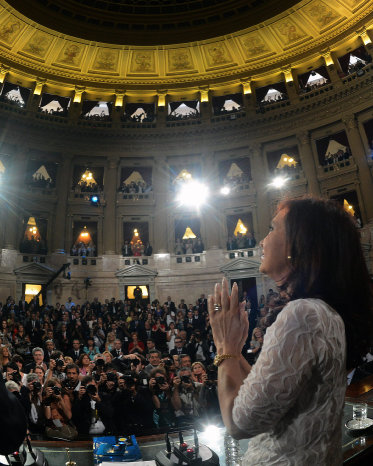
(294, 37)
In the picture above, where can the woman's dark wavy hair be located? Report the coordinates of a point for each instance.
(327, 262)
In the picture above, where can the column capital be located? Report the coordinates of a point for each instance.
(350, 121)
(255, 149)
(303, 137)
(113, 162)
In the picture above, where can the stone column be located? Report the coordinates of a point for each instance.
(160, 187)
(210, 215)
(360, 157)
(63, 186)
(260, 179)
(110, 190)
(11, 191)
(308, 163)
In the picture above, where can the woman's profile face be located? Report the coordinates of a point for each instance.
(274, 250)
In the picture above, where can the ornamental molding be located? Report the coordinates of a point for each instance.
(32, 50)
(135, 271)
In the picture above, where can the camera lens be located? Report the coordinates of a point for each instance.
(185, 379)
(91, 389)
(160, 380)
(37, 386)
(56, 390)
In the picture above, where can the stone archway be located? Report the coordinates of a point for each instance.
(38, 274)
(136, 275)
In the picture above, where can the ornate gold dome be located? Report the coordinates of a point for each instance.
(310, 33)
(149, 22)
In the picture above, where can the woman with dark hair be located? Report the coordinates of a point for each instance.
(291, 401)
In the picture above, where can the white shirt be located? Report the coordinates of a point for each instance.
(291, 402)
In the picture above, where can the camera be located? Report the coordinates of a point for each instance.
(59, 363)
(36, 386)
(167, 362)
(111, 377)
(68, 384)
(56, 390)
(97, 377)
(16, 377)
(185, 378)
(100, 362)
(135, 362)
(91, 389)
(129, 379)
(160, 380)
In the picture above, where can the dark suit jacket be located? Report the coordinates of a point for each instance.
(71, 353)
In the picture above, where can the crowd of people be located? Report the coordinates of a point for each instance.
(96, 117)
(59, 111)
(117, 366)
(12, 99)
(38, 181)
(33, 246)
(241, 241)
(339, 156)
(134, 187)
(235, 183)
(85, 187)
(130, 249)
(84, 250)
(189, 246)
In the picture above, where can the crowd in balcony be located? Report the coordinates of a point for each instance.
(339, 156)
(241, 241)
(83, 249)
(189, 246)
(86, 187)
(96, 117)
(135, 187)
(136, 248)
(33, 245)
(39, 181)
(236, 182)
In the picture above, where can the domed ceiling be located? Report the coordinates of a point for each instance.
(149, 22)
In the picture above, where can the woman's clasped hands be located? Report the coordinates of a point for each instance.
(228, 319)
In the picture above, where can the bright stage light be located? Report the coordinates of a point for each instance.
(192, 193)
(225, 190)
(279, 182)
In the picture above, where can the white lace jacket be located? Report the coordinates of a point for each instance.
(291, 402)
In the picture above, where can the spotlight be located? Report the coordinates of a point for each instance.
(95, 200)
(193, 193)
(225, 190)
(279, 182)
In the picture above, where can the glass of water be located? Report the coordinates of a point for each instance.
(359, 414)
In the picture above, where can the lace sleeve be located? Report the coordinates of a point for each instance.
(281, 371)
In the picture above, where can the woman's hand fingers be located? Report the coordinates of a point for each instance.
(225, 301)
(217, 294)
(234, 299)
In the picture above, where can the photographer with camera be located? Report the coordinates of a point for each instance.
(163, 414)
(35, 408)
(57, 411)
(133, 405)
(208, 396)
(56, 367)
(198, 348)
(92, 412)
(185, 397)
(71, 384)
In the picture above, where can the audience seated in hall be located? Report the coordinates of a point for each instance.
(140, 365)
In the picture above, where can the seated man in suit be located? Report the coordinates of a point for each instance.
(76, 350)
